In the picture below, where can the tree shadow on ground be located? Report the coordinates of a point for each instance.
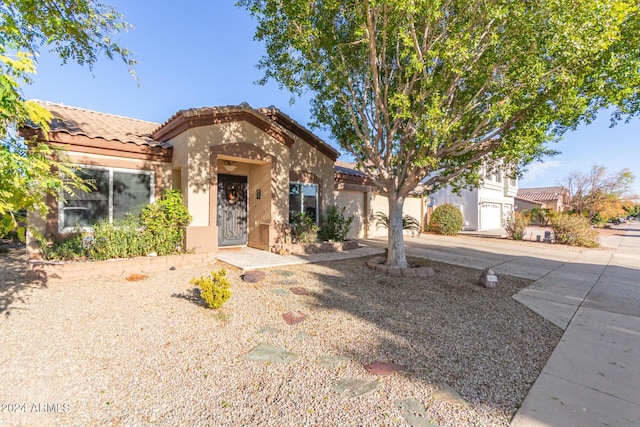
(14, 282)
(445, 329)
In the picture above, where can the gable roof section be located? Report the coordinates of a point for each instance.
(204, 116)
(296, 128)
(80, 130)
(92, 124)
(346, 177)
(541, 194)
(270, 120)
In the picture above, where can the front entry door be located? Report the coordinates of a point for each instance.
(232, 210)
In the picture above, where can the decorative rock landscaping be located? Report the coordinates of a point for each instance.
(377, 263)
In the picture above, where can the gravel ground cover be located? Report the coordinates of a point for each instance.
(113, 352)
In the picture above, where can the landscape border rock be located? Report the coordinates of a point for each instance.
(377, 264)
(59, 271)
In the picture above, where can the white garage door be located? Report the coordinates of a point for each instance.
(490, 216)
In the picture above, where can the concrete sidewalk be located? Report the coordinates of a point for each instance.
(593, 376)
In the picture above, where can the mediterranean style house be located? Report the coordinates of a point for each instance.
(553, 198)
(486, 207)
(242, 172)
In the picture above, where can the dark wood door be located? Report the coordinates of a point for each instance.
(232, 210)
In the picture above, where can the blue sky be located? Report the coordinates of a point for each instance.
(202, 53)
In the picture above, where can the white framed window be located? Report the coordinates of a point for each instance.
(116, 192)
(303, 198)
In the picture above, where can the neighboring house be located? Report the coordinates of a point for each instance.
(486, 207)
(552, 198)
(242, 171)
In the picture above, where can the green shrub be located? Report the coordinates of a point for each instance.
(121, 239)
(70, 248)
(166, 220)
(515, 226)
(334, 224)
(305, 229)
(408, 222)
(446, 219)
(574, 230)
(159, 229)
(214, 289)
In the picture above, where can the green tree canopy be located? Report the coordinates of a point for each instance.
(76, 30)
(426, 92)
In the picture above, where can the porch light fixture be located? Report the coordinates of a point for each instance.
(229, 166)
(258, 194)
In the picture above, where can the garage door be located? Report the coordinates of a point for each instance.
(490, 216)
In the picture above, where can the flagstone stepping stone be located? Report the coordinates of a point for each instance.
(265, 352)
(300, 291)
(268, 330)
(281, 292)
(332, 363)
(448, 395)
(383, 368)
(285, 273)
(293, 317)
(287, 282)
(301, 336)
(253, 276)
(354, 388)
(415, 414)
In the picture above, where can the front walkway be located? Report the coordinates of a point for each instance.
(247, 258)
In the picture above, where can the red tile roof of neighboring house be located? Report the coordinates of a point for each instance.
(540, 194)
(92, 124)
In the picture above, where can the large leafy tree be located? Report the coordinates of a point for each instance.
(76, 30)
(424, 92)
(597, 193)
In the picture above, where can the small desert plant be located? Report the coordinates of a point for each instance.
(446, 219)
(574, 230)
(334, 224)
(515, 225)
(305, 229)
(215, 289)
(408, 222)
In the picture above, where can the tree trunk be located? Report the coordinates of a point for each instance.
(396, 256)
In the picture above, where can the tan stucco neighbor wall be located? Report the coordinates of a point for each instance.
(379, 203)
(355, 204)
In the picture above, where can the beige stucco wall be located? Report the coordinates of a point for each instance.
(355, 204)
(195, 164)
(258, 156)
(305, 158)
(379, 203)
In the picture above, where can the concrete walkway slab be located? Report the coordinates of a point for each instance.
(247, 258)
(556, 402)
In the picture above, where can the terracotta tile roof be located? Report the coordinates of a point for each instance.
(347, 169)
(540, 194)
(93, 124)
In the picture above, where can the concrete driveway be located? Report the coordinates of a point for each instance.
(593, 376)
